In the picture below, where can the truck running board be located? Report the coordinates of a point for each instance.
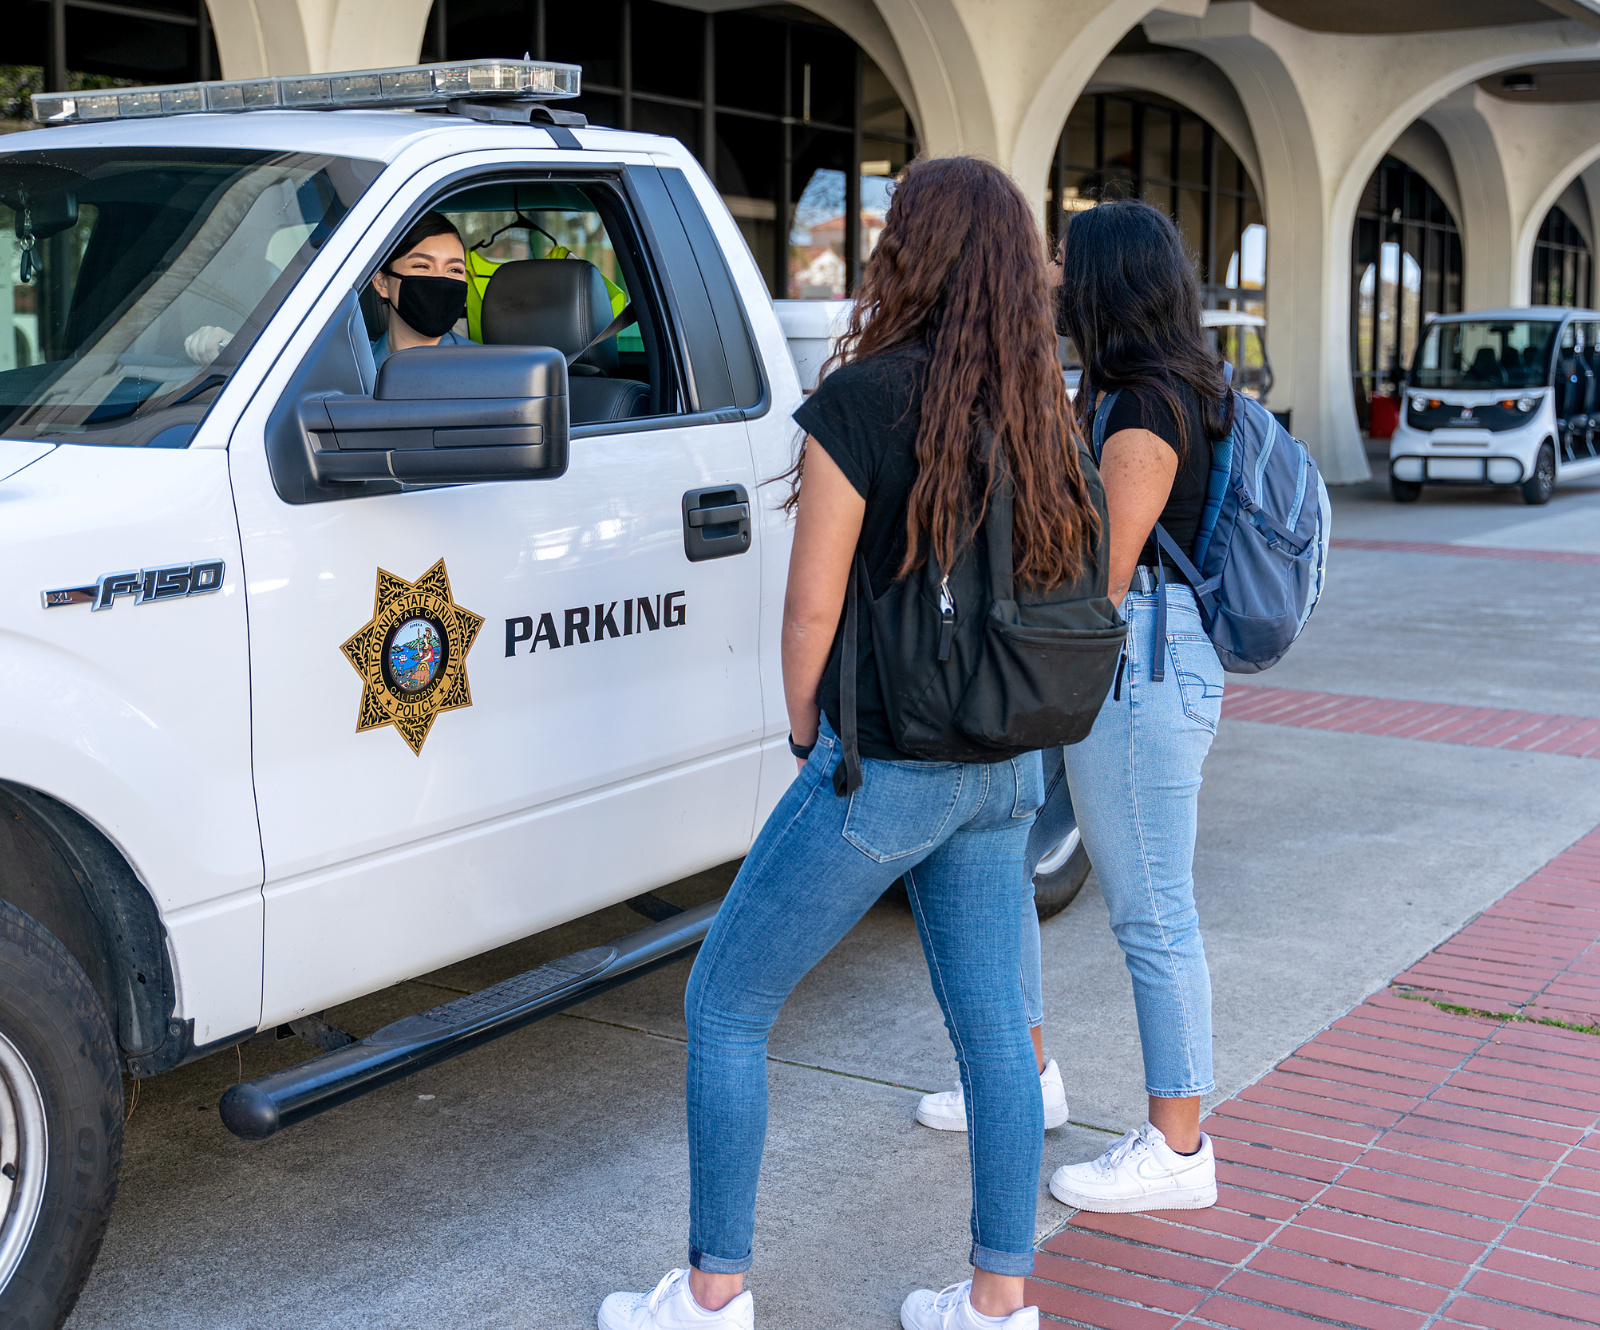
(255, 1110)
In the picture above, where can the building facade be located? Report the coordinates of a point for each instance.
(1345, 167)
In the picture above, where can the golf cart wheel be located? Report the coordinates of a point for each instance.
(60, 1125)
(1405, 491)
(1536, 490)
(1060, 876)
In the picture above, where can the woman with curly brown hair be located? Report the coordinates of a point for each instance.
(952, 326)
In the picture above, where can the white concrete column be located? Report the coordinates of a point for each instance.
(257, 37)
(1324, 108)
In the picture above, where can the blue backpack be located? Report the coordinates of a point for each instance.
(1260, 556)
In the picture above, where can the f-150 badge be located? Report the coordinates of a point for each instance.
(145, 585)
(412, 656)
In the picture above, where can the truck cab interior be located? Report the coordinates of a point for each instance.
(545, 269)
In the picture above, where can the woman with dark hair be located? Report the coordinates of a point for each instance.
(1130, 300)
(423, 286)
(952, 325)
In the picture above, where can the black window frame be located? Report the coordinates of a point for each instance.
(667, 349)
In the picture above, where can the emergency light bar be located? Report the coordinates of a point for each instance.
(410, 85)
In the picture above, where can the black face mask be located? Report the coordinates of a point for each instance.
(431, 305)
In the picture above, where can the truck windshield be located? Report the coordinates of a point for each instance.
(1494, 353)
(133, 280)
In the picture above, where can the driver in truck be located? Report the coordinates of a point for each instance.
(423, 286)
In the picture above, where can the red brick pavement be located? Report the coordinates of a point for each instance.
(1434, 722)
(1408, 1168)
(1467, 551)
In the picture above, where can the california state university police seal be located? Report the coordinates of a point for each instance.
(412, 655)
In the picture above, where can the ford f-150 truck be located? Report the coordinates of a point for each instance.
(320, 675)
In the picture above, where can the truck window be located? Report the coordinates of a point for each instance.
(135, 279)
(555, 263)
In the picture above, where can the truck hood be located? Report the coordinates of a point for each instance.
(18, 453)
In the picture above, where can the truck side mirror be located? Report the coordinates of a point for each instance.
(446, 415)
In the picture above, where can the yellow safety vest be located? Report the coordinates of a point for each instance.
(480, 270)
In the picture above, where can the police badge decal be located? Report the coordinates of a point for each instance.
(412, 655)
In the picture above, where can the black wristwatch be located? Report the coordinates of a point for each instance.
(802, 752)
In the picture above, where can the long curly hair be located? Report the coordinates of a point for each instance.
(959, 270)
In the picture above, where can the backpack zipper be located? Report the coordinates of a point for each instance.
(947, 619)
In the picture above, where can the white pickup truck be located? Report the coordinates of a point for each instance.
(321, 675)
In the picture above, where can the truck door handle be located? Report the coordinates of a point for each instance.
(716, 522)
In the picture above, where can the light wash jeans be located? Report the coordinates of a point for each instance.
(957, 832)
(1133, 788)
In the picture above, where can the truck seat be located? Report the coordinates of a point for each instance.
(563, 303)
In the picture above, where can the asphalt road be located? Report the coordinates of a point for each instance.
(516, 1186)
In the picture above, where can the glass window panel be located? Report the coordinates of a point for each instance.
(1394, 181)
(749, 64)
(827, 93)
(590, 35)
(1157, 144)
(884, 157)
(882, 111)
(1227, 241)
(1117, 145)
(1191, 150)
(816, 227)
(1452, 275)
(680, 122)
(1077, 139)
(1227, 163)
(748, 170)
(1253, 246)
(487, 28)
(668, 50)
(1160, 196)
(1192, 227)
(1433, 272)
(1416, 202)
(599, 108)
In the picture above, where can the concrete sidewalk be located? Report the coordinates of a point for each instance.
(1413, 1165)
(516, 1186)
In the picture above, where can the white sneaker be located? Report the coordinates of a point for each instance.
(672, 1307)
(953, 1310)
(1140, 1172)
(947, 1110)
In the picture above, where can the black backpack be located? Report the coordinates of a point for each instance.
(970, 670)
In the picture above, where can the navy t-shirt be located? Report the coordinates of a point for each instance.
(866, 416)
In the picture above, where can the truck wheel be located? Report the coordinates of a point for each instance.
(1404, 491)
(60, 1124)
(1060, 876)
(1539, 486)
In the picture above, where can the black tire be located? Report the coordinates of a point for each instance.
(58, 1063)
(1405, 491)
(1538, 487)
(1060, 877)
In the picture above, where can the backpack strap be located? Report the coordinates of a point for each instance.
(1102, 414)
(847, 777)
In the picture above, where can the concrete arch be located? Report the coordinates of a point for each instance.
(258, 37)
(1058, 85)
(1325, 108)
(861, 21)
(1538, 209)
(1193, 82)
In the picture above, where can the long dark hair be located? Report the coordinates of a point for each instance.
(959, 270)
(1130, 299)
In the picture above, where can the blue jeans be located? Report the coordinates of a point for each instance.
(957, 832)
(1133, 788)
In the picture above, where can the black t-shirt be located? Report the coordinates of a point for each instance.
(1142, 409)
(866, 415)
